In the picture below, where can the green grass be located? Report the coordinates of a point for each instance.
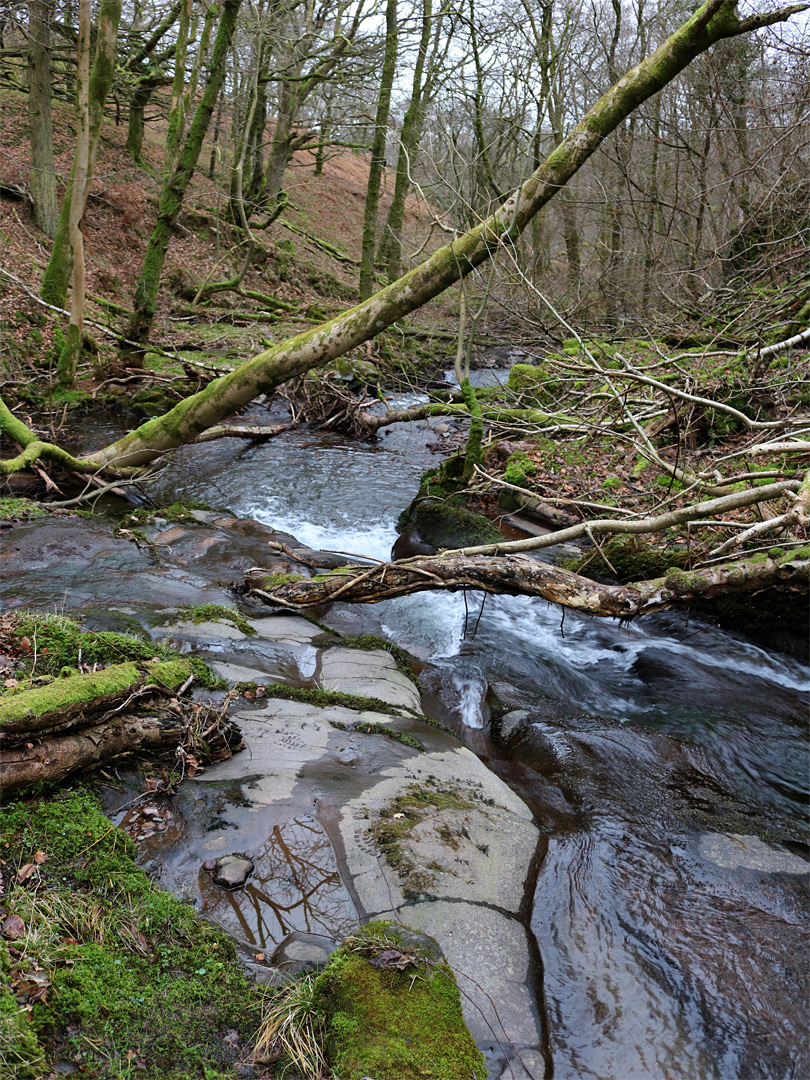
(132, 970)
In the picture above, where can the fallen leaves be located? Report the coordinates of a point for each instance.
(394, 960)
(13, 927)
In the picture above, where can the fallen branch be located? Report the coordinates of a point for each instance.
(523, 575)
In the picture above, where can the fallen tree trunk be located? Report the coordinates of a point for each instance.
(79, 699)
(523, 575)
(713, 21)
(55, 758)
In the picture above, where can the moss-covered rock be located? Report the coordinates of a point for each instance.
(446, 523)
(392, 1010)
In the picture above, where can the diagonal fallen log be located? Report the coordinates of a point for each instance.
(518, 574)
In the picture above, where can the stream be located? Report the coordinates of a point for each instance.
(669, 946)
(665, 763)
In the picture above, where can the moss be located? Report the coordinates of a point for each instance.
(61, 642)
(519, 468)
(631, 558)
(371, 642)
(272, 581)
(389, 1024)
(57, 642)
(176, 514)
(324, 698)
(21, 1056)
(445, 523)
(73, 689)
(369, 727)
(213, 613)
(130, 967)
(395, 823)
(13, 509)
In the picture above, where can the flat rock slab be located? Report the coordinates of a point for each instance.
(208, 631)
(368, 673)
(287, 628)
(489, 954)
(739, 852)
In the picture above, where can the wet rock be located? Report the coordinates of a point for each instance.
(301, 952)
(512, 721)
(735, 852)
(371, 673)
(232, 871)
(410, 543)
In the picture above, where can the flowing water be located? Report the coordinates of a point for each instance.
(665, 760)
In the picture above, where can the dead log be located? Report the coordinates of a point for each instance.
(79, 699)
(520, 574)
(55, 758)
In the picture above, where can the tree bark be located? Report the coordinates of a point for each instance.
(69, 356)
(43, 172)
(171, 198)
(526, 576)
(375, 171)
(55, 758)
(60, 265)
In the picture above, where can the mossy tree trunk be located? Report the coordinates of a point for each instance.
(177, 120)
(713, 21)
(43, 173)
(411, 134)
(171, 198)
(60, 265)
(141, 96)
(378, 152)
(68, 358)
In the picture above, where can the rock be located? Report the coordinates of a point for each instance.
(232, 871)
(300, 952)
(512, 722)
(446, 526)
(286, 628)
(735, 852)
(368, 673)
(410, 543)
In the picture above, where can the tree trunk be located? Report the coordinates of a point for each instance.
(43, 173)
(378, 153)
(171, 198)
(69, 356)
(60, 265)
(526, 576)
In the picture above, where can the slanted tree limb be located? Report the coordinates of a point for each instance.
(712, 22)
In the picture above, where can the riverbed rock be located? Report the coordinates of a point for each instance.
(300, 952)
(232, 871)
(369, 673)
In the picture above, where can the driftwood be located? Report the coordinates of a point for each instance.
(524, 575)
(79, 699)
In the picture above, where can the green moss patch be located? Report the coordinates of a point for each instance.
(112, 975)
(445, 523)
(212, 613)
(13, 509)
(46, 645)
(393, 1024)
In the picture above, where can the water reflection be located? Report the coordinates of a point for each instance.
(295, 886)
